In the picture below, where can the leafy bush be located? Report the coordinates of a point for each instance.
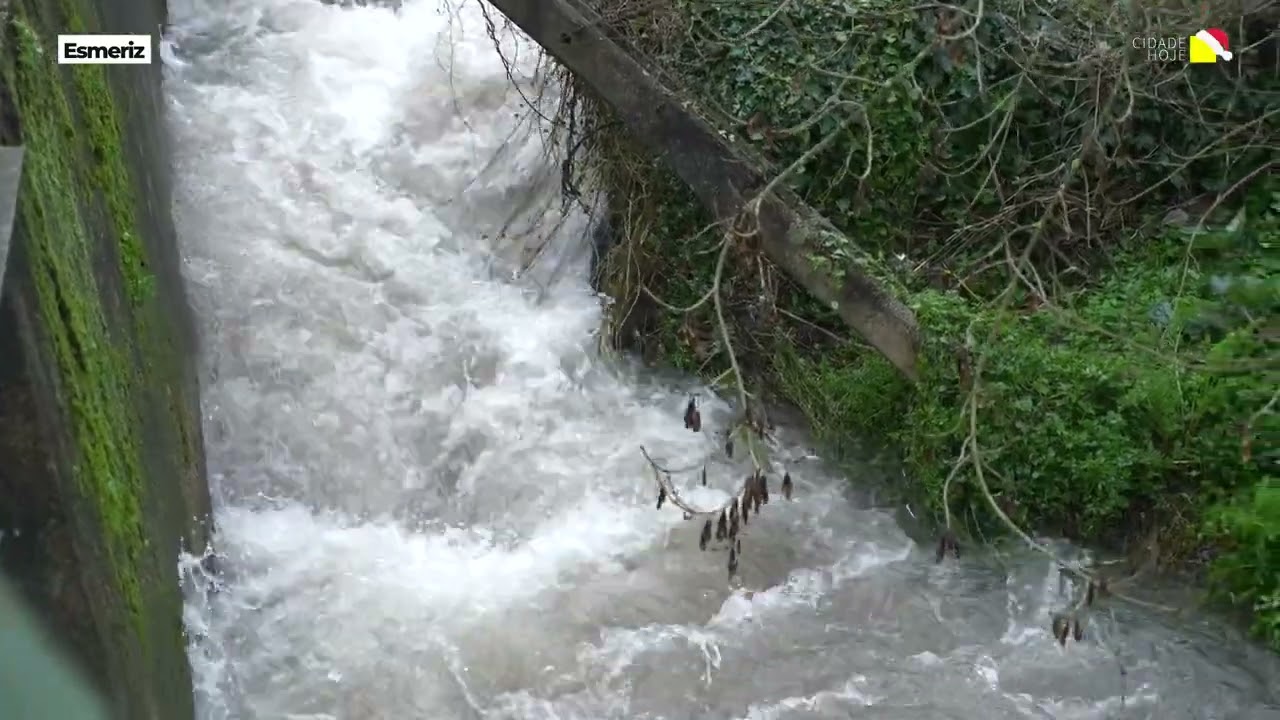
(1248, 572)
(944, 143)
(1123, 410)
(1119, 380)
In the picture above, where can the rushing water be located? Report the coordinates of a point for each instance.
(430, 498)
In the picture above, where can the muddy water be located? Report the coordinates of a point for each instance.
(430, 500)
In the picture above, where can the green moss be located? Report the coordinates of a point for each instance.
(93, 369)
(1137, 405)
(110, 174)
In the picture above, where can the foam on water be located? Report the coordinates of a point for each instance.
(429, 496)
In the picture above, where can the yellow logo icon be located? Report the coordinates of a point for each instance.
(1208, 45)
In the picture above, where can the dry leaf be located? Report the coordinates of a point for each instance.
(1061, 628)
(948, 543)
(692, 418)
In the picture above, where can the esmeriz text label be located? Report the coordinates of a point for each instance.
(104, 49)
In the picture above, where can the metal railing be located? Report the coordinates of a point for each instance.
(36, 680)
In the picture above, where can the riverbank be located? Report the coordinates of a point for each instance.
(1095, 282)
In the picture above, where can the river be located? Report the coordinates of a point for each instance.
(430, 499)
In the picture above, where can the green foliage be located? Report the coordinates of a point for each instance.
(1087, 428)
(972, 138)
(1126, 406)
(786, 83)
(1112, 406)
(1248, 572)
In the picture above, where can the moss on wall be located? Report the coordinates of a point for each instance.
(95, 378)
(107, 344)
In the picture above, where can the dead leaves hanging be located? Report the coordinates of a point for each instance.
(724, 525)
(948, 544)
(1070, 623)
(1067, 625)
(692, 417)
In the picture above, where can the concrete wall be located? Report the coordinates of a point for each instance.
(101, 465)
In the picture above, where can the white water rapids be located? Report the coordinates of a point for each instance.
(430, 501)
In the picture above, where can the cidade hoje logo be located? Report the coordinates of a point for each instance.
(104, 49)
(1208, 45)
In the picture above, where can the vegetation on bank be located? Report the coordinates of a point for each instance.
(1087, 237)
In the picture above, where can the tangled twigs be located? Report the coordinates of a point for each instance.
(668, 492)
(1070, 622)
(744, 227)
(754, 492)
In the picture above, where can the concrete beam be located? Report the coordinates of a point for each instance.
(10, 179)
(722, 176)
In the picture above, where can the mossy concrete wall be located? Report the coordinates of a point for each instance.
(101, 466)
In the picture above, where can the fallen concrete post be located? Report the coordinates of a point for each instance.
(10, 179)
(791, 233)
